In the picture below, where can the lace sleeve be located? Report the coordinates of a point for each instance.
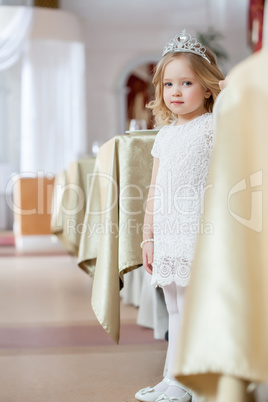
(156, 147)
(155, 151)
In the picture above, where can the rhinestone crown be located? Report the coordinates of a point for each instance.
(183, 42)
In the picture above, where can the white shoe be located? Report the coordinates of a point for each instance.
(184, 398)
(149, 394)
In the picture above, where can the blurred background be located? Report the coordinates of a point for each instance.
(73, 74)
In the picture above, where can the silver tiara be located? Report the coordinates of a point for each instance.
(183, 42)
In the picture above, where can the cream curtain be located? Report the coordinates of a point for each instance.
(53, 106)
(14, 37)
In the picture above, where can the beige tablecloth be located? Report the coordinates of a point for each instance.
(69, 202)
(225, 328)
(110, 243)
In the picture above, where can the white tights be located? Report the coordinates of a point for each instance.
(174, 297)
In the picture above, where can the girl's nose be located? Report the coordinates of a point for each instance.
(176, 90)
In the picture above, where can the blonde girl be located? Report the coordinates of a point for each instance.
(186, 84)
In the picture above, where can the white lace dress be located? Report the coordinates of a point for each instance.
(184, 154)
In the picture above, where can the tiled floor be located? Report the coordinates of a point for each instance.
(51, 346)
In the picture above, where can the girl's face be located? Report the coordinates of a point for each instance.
(183, 93)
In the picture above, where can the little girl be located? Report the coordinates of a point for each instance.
(186, 85)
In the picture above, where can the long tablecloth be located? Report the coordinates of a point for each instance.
(112, 228)
(223, 345)
(69, 202)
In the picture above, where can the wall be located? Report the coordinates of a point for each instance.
(119, 33)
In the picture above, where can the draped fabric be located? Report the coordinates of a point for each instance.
(52, 110)
(225, 329)
(13, 42)
(15, 36)
(53, 106)
(69, 200)
(110, 243)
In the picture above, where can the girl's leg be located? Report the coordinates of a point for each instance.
(170, 293)
(174, 296)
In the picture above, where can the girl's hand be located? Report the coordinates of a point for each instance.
(147, 256)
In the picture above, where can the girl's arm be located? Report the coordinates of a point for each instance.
(148, 248)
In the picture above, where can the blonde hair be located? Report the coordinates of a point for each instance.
(208, 74)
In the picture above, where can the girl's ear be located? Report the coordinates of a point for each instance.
(208, 93)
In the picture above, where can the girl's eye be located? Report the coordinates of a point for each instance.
(187, 83)
(167, 84)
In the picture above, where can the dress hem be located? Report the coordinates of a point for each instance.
(156, 283)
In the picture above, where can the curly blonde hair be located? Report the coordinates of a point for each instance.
(208, 74)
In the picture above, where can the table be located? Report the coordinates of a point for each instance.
(112, 227)
(69, 202)
(98, 209)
